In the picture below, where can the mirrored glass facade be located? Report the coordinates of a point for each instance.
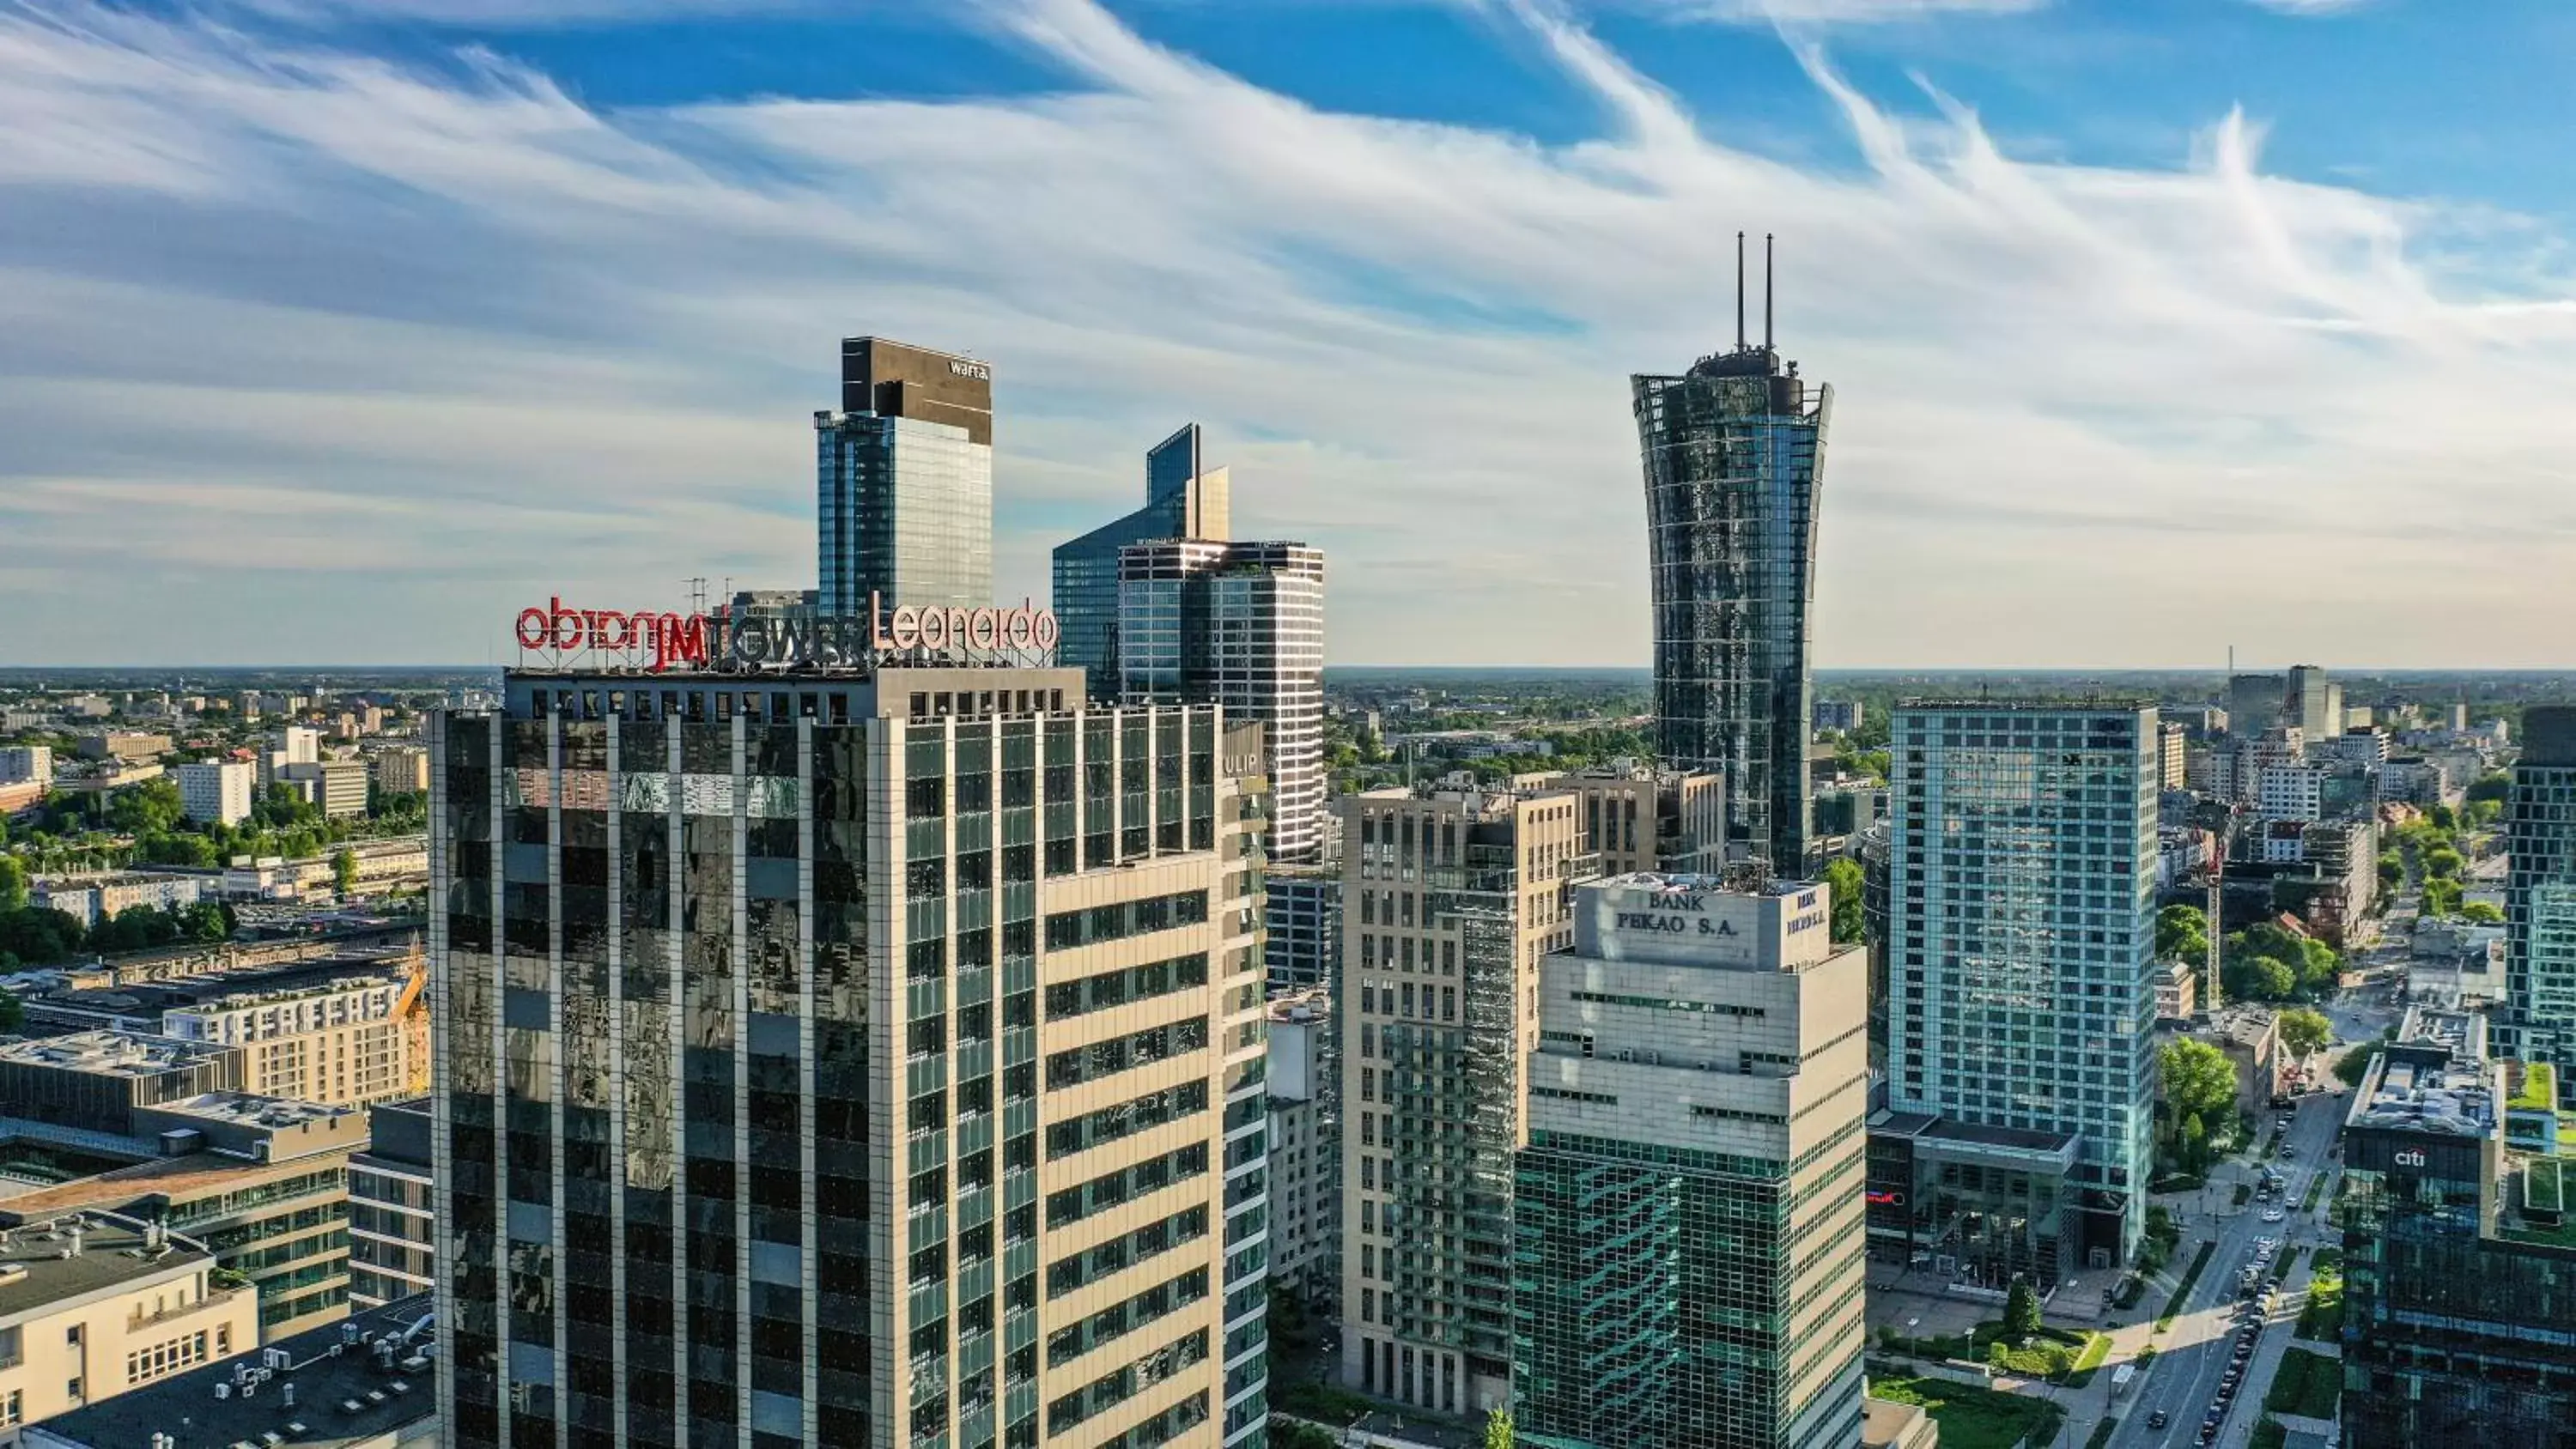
(1734, 453)
(2540, 897)
(905, 510)
(831, 1060)
(1183, 499)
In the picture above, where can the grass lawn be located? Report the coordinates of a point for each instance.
(2322, 1318)
(2102, 1434)
(1971, 1417)
(2271, 1433)
(2306, 1384)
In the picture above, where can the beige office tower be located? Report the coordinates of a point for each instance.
(1637, 818)
(893, 1053)
(1450, 898)
(2173, 755)
(1699, 1083)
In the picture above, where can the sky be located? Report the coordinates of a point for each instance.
(336, 331)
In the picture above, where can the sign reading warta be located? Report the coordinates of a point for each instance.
(658, 641)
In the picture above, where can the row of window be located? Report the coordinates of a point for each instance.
(1108, 1058)
(1099, 992)
(143, 1365)
(1068, 929)
(1126, 1250)
(1112, 1389)
(1126, 1119)
(1073, 1204)
(1120, 1319)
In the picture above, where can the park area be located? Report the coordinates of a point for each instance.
(2306, 1385)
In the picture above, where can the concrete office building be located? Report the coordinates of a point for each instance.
(2257, 702)
(1698, 1090)
(1305, 1147)
(2173, 744)
(1450, 897)
(348, 1041)
(1734, 451)
(1639, 819)
(1183, 499)
(338, 788)
(2539, 1022)
(402, 770)
(2021, 962)
(1841, 716)
(369, 1382)
(393, 1222)
(26, 762)
(1239, 625)
(91, 899)
(2312, 702)
(217, 792)
(94, 1306)
(904, 480)
(847, 1056)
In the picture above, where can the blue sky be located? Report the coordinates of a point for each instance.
(335, 330)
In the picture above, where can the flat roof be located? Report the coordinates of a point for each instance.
(177, 1179)
(2454, 1098)
(342, 1390)
(114, 1251)
(113, 1053)
(247, 1109)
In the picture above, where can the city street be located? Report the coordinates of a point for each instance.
(2192, 1357)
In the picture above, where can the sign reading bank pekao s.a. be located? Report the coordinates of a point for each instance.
(658, 641)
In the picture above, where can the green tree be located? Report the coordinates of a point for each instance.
(2304, 1029)
(2392, 870)
(2442, 863)
(13, 1015)
(13, 885)
(2195, 1143)
(2021, 1311)
(2444, 818)
(1498, 1430)
(2195, 1079)
(146, 809)
(2182, 933)
(2485, 913)
(2260, 978)
(344, 873)
(2349, 1067)
(2491, 788)
(2441, 897)
(1844, 879)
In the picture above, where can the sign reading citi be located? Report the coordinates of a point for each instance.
(665, 640)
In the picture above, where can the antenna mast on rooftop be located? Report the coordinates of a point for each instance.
(1766, 291)
(1739, 291)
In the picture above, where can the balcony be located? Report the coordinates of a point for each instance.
(215, 1298)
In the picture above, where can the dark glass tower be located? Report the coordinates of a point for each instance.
(903, 495)
(2540, 896)
(1183, 499)
(1734, 450)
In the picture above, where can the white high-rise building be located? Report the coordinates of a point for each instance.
(27, 762)
(1241, 625)
(217, 792)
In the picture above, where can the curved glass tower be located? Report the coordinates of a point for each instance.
(1734, 450)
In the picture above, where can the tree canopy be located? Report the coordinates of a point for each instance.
(2182, 933)
(2195, 1078)
(2304, 1029)
(1844, 878)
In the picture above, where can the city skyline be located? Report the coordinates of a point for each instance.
(446, 364)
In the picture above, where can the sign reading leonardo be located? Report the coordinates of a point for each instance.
(659, 641)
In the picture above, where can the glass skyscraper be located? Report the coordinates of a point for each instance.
(1183, 499)
(904, 480)
(837, 1058)
(1241, 625)
(2540, 896)
(1734, 453)
(1687, 1214)
(2021, 946)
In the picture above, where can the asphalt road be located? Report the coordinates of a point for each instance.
(2192, 1357)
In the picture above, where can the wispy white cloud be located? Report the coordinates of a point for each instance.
(2310, 7)
(1831, 12)
(381, 350)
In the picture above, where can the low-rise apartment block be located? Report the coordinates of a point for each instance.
(94, 1306)
(91, 899)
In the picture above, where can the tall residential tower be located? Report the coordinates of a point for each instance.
(1734, 452)
(2021, 947)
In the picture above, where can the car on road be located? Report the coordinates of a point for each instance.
(2159, 1419)
(2273, 1215)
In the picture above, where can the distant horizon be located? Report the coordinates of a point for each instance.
(18, 672)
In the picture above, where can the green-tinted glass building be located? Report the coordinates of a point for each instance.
(2540, 895)
(1687, 1234)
